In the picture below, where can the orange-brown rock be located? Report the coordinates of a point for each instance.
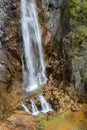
(19, 121)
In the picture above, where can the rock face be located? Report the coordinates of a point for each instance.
(77, 54)
(50, 15)
(2, 64)
(10, 65)
(9, 35)
(52, 12)
(75, 46)
(53, 32)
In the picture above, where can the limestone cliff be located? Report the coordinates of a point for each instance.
(64, 48)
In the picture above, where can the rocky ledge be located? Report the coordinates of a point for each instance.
(19, 121)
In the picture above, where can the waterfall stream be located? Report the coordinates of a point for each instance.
(46, 107)
(33, 66)
(25, 108)
(35, 110)
(32, 62)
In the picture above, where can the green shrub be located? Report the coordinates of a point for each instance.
(41, 126)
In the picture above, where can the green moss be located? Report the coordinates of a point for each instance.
(78, 11)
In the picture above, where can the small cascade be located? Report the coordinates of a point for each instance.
(25, 108)
(35, 110)
(33, 65)
(46, 107)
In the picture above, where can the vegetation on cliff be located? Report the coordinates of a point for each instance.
(78, 11)
(75, 43)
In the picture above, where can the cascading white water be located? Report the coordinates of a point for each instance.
(33, 65)
(46, 107)
(25, 108)
(35, 110)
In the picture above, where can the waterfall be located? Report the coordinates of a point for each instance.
(46, 107)
(33, 65)
(35, 110)
(25, 108)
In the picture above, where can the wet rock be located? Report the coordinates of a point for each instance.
(50, 112)
(53, 3)
(3, 63)
(51, 16)
(1, 33)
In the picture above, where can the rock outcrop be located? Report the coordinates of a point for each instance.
(10, 64)
(9, 45)
(75, 46)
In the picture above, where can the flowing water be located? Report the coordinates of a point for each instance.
(25, 108)
(33, 66)
(32, 60)
(46, 107)
(35, 110)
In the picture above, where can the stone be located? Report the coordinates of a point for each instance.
(67, 98)
(54, 3)
(19, 121)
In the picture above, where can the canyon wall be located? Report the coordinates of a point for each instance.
(64, 53)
